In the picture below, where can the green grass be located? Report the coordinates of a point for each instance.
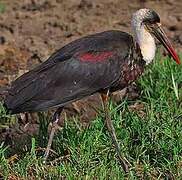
(150, 137)
(2, 7)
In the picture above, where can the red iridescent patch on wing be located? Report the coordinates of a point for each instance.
(96, 56)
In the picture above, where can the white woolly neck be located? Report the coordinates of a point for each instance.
(143, 37)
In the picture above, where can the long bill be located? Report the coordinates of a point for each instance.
(161, 36)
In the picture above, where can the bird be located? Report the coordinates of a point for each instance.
(103, 63)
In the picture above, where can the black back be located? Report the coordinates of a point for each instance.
(64, 78)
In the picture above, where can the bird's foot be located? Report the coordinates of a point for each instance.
(124, 163)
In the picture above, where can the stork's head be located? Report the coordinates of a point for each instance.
(146, 26)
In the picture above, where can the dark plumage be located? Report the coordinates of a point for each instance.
(74, 72)
(103, 62)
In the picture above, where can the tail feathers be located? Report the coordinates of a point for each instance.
(9, 106)
(10, 109)
(31, 106)
(12, 105)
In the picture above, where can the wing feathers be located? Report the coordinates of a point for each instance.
(79, 69)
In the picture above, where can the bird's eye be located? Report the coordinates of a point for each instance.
(151, 26)
(148, 27)
(158, 24)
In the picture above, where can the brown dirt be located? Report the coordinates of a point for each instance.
(31, 30)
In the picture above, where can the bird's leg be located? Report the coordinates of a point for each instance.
(112, 132)
(55, 120)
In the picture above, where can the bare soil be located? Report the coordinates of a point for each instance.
(31, 30)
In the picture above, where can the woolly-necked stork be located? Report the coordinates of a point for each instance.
(103, 62)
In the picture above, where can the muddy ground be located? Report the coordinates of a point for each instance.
(30, 30)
